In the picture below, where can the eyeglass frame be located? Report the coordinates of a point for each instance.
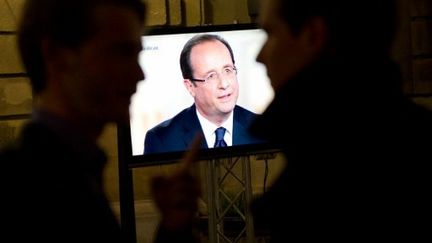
(234, 69)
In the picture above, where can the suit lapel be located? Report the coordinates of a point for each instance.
(238, 127)
(242, 120)
(190, 127)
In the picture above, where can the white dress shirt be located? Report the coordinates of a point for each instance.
(209, 129)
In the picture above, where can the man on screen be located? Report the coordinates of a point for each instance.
(210, 76)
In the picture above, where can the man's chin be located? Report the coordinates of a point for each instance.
(227, 108)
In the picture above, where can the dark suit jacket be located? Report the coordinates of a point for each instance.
(177, 133)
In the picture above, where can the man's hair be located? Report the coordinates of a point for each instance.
(185, 62)
(68, 23)
(359, 25)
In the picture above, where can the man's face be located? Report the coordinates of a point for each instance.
(216, 98)
(284, 54)
(102, 74)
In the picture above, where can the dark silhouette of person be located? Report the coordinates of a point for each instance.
(82, 60)
(210, 76)
(358, 168)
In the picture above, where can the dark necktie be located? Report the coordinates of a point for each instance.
(220, 132)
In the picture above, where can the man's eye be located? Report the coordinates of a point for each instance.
(211, 76)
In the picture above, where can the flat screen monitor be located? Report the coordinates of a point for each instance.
(162, 94)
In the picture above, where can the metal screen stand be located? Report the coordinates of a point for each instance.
(229, 216)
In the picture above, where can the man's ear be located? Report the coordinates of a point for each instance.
(56, 57)
(315, 32)
(48, 52)
(190, 86)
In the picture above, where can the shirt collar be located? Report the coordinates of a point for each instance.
(209, 129)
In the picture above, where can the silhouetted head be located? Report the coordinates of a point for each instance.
(299, 32)
(67, 23)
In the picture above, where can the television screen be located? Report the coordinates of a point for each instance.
(162, 95)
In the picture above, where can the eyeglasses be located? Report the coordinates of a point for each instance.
(227, 72)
